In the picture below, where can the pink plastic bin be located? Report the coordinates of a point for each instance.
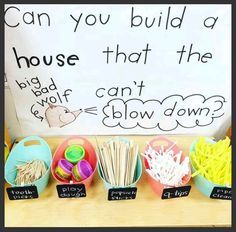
(156, 144)
(90, 156)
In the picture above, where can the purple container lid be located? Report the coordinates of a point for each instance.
(84, 168)
(65, 165)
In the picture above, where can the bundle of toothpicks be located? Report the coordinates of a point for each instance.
(30, 171)
(117, 161)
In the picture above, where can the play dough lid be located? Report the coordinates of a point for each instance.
(74, 153)
(84, 169)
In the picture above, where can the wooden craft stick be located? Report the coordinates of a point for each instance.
(124, 164)
(118, 163)
(99, 161)
(111, 150)
(134, 162)
(127, 168)
(109, 164)
(120, 150)
(104, 166)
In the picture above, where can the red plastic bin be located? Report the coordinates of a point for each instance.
(90, 156)
(156, 143)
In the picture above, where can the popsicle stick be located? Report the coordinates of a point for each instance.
(116, 164)
(127, 168)
(111, 150)
(101, 165)
(103, 158)
(108, 165)
(128, 165)
(134, 162)
(131, 164)
(99, 162)
(123, 161)
(104, 165)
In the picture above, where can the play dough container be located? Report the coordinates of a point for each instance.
(138, 173)
(74, 153)
(156, 144)
(204, 185)
(89, 156)
(82, 170)
(64, 169)
(29, 149)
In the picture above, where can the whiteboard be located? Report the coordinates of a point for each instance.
(119, 69)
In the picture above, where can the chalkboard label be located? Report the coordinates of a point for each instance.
(122, 194)
(169, 193)
(71, 190)
(222, 193)
(22, 193)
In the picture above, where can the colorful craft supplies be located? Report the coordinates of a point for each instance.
(74, 165)
(119, 163)
(74, 153)
(82, 170)
(29, 172)
(80, 154)
(35, 155)
(212, 160)
(166, 165)
(64, 169)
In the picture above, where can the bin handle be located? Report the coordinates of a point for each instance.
(159, 139)
(86, 143)
(32, 138)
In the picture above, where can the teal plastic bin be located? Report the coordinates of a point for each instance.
(203, 185)
(138, 170)
(23, 152)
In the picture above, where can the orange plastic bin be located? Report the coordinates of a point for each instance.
(156, 144)
(90, 156)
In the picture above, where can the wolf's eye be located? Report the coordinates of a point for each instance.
(66, 111)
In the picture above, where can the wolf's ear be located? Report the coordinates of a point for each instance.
(51, 106)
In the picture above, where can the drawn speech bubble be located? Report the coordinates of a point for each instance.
(173, 111)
